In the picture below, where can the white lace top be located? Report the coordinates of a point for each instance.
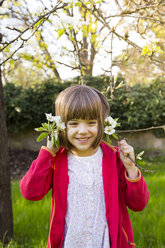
(85, 222)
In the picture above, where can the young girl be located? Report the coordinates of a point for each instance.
(92, 182)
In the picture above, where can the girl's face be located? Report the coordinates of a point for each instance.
(81, 134)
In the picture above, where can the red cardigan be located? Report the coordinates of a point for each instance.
(50, 171)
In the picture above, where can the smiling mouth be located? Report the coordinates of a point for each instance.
(83, 140)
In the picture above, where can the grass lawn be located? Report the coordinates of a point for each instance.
(149, 225)
(31, 219)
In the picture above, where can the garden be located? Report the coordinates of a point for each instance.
(115, 46)
(31, 219)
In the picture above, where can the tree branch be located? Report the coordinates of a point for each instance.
(161, 22)
(118, 5)
(142, 129)
(79, 58)
(72, 67)
(101, 19)
(22, 44)
(42, 17)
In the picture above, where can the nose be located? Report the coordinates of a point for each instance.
(83, 128)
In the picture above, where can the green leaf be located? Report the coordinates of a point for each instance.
(68, 6)
(55, 140)
(115, 136)
(45, 125)
(72, 38)
(52, 141)
(42, 136)
(78, 4)
(40, 129)
(60, 33)
(57, 143)
(53, 124)
(108, 139)
(49, 21)
(149, 53)
(121, 84)
(145, 51)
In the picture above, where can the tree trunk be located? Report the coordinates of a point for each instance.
(88, 56)
(6, 215)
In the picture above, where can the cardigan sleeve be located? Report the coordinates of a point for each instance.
(38, 180)
(135, 191)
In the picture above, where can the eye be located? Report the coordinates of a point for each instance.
(72, 123)
(93, 122)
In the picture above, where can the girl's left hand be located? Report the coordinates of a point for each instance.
(126, 150)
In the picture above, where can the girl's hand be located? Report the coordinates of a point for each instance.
(125, 152)
(53, 149)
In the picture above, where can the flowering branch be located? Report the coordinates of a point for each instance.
(102, 19)
(110, 125)
(51, 130)
(39, 22)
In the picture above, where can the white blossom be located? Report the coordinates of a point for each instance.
(111, 121)
(49, 117)
(56, 119)
(61, 125)
(109, 130)
(51, 130)
(18, 109)
(138, 156)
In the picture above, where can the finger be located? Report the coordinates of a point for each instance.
(124, 148)
(125, 145)
(123, 142)
(127, 151)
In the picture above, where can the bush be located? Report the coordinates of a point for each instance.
(137, 106)
(140, 107)
(26, 107)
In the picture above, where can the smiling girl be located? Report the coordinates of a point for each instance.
(92, 182)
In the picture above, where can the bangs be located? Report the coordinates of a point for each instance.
(83, 105)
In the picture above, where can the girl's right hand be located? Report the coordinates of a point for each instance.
(53, 149)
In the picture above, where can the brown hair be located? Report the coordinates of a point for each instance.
(82, 102)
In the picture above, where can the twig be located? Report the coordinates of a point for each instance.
(26, 29)
(42, 17)
(140, 167)
(141, 130)
(14, 29)
(137, 165)
(79, 58)
(23, 41)
(160, 22)
(75, 43)
(11, 56)
(111, 65)
(102, 20)
(118, 5)
(72, 67)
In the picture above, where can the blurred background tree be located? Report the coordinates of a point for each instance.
(76, 36)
